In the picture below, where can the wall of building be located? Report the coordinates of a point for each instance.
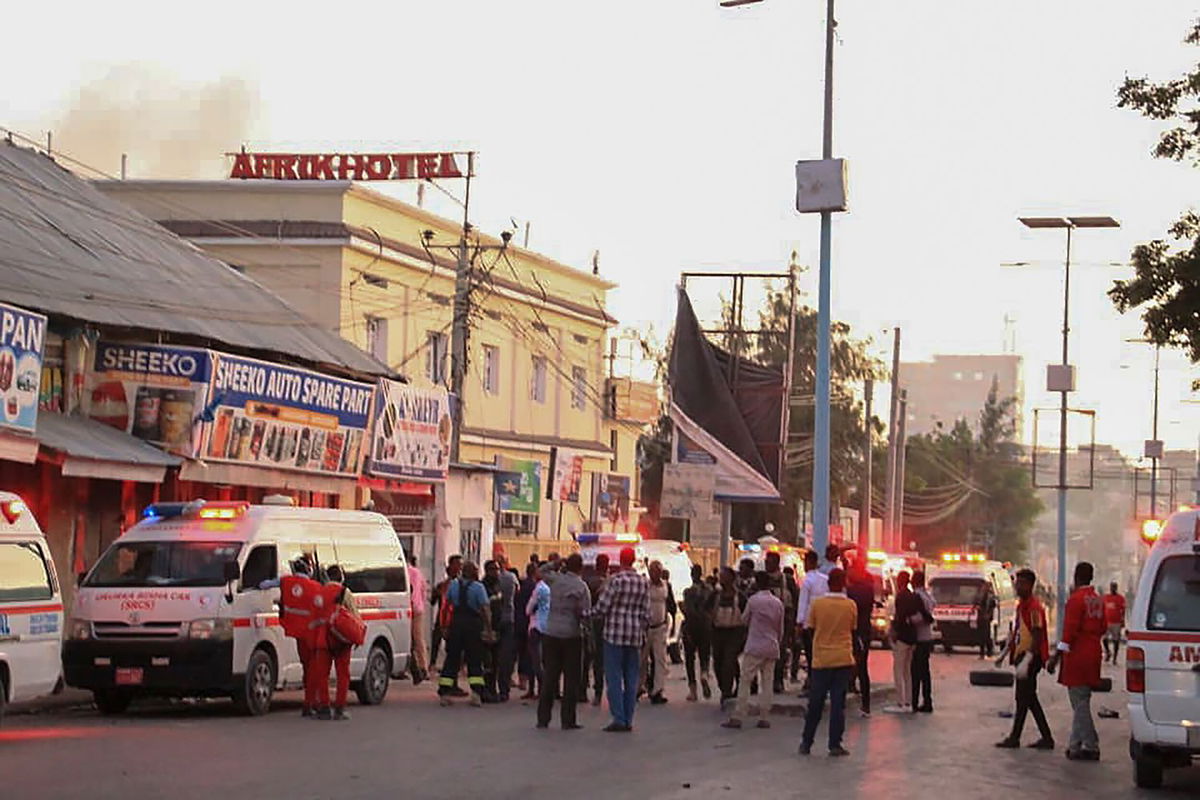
(953, 387)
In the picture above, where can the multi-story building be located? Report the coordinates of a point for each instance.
(954, 387)
(381, 272)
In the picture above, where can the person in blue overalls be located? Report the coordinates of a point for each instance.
(469, 600)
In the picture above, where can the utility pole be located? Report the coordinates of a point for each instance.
(890, 539)
(901, 458)
(1157, 452)
(461, 331)
(864, 527)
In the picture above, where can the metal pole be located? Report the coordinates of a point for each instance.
(864, 525)
(889, 538)
(726, 532)
(1154, 436)
(1060, 592)
(901, 457)
(785, 423)
(821, 434)
(461, 331)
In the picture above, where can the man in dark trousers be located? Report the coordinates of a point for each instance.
(860, 588)
(472, 614)
(985, 612)
(831, 618)
(778, 585)
(697, 632)
(1080, 651)
(922, 677)
(596, 578)
(562, 644)
(1028, 650)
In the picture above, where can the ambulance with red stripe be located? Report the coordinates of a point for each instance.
(186, 603)
(31, 608)
(1162, 661)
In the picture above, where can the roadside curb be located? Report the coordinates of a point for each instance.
(66, 699)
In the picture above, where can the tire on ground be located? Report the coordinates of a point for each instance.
(991, 677)
(373, 686)
(253, 697)
(112, 701)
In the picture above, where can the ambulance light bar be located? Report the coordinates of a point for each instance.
(12, 510)
(230, 510)
(196, 508)
(608, 538)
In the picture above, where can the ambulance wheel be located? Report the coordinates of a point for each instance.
(254, 696)
(112, 701)
(374, 684)
(1147, 771)
(3, 697)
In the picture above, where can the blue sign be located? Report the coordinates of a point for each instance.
(22, 340)
(269, 414)
(40, 624)
(154, 392)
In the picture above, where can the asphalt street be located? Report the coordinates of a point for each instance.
(411, 747)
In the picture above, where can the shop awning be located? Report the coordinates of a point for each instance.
(92, 449)
(264, 477)
(19, 447)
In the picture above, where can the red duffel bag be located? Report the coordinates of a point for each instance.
(347, 628)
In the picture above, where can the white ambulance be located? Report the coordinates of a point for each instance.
(958, 586)
(31, 608)
(174, 606)
(1163, 659)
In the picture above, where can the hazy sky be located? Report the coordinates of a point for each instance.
(663, 133)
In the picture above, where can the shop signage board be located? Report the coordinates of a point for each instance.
(566, 475)
(687, 491)
(154, 392)
(277, 416)
(348, 166)
(410, 435)
(610, 502)
(22, 342)
(518, 486)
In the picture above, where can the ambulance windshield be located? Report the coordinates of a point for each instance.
(956, 591)
(164, 564)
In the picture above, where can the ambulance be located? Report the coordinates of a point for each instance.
(957, 586)
(186, 603)
(1162, 661)
(611, 544)
(31, 607)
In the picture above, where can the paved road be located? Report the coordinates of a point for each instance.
(410, 747)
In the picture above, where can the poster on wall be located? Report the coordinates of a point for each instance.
(22, 339)
(518, 486)
(154, 392)
(687, 491)
(410, 437)
(610, 502)
(566, 475)
(271, 415)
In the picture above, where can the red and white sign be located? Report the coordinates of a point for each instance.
(346, 166)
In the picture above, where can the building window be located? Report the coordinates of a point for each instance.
(958, 376)
(578, 388)
(436, 345)
(978, 376)
(491, 369)
(377, 338)
(537, 387)
(374, 280)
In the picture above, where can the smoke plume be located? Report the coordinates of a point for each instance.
(169, 128)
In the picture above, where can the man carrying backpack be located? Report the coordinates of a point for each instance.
(469, 600)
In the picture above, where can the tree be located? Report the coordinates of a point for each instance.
(966, 488)
(1166, 281)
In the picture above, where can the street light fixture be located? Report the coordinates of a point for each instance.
(1062, 379)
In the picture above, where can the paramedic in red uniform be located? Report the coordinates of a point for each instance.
(296, 594)
(339, 651)
(1080, 652)
(1114, 616)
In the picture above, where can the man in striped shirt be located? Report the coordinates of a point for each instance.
(625, 606)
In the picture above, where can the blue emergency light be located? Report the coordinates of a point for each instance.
(161, 511)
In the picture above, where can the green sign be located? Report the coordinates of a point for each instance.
(518, 486)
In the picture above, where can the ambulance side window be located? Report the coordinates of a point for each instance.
(23, 573)
(262, 564)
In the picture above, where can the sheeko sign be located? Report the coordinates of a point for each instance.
(347, 166)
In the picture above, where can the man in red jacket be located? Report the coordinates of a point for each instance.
(1080, 652)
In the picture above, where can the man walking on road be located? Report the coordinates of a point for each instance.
(816, 584)
(1028, 650)
(831, 619)
(1080, 653)
(725, 607)
(697, 632)
(562, 646)
(625, 605)
(441, 626)
(777, 584)
(472, 614)
(662, 609)
(764, 618)
(922, 677)
(1114, 616)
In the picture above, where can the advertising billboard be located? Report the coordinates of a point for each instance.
(22, 340)
(410, 437)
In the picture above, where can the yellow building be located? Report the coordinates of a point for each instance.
(353, 259)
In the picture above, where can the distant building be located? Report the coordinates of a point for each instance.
(950, 388)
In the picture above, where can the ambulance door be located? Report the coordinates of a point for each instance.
(30, 619)
(257, 612)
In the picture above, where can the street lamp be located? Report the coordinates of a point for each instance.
(1062, 380)
(826, 204)
(1153, 447)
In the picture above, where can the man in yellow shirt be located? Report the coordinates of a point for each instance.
(831, 618)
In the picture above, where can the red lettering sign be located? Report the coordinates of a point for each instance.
(344, 166)
(1185, 654)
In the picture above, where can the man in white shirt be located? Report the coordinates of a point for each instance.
(816, 584)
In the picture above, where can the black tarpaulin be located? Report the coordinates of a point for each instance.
(746, 421)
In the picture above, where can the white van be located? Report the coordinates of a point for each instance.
(31, 608)
(174, 607)
(957, 586)
(1163, 659)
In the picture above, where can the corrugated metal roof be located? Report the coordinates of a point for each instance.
(85, 438)
(68, 249)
